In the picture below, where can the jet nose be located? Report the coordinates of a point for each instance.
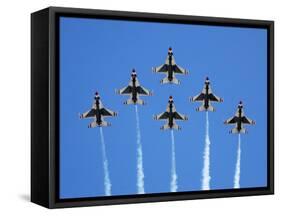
(240, 104)
(97, 96)
(171, 99)
(170, 51)
(134, 73)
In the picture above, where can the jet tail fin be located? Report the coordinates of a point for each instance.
(244, 131)
(166, 127)
(211, 108)
(103, 124)
(92, 125)
(166, 80)
(176, 127)
(202, 108)
(235, 131)
(140, 102)
(130, 101)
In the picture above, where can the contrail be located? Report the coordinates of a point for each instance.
(107, 182)
(237, 168)
(140, 172)
(173, 184)
(206, 167)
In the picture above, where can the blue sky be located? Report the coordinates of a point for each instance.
(98, 55)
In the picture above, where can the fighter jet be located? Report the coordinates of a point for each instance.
(170, 68)
(98, 112)
(134, 89)
(206, 96)
(170, 116)
(239, 119)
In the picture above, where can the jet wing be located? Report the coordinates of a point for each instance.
(214, 98)
(163, 115)
(143, 91)
(106, 112)
(179, 116)
(231, 120)
(246, 120)
(126, 90)
(161, 69)
(198, 97)
(89, 114)
(179, 70)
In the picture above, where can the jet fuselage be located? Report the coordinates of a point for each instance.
(206, 98)
(134, 90)
(170, 68)
(171, 116)
(98, 113)
(239, 122)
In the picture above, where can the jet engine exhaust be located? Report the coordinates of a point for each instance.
(237, 167)
(206, 158)
(173, 184)
(107, 182)
(140, 172)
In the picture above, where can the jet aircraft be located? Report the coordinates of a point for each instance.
(170, 115)
(134, 90)
(239, 120)
(98, 113)
(206, 96)
(170, 68)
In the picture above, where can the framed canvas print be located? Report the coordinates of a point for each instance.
(138, 107)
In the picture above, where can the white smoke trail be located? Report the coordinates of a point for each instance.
(206, 157)
(173, 184)
(140, 172)
(107, 182)
(237, 168)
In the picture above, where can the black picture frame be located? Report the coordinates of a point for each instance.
(45, 106)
